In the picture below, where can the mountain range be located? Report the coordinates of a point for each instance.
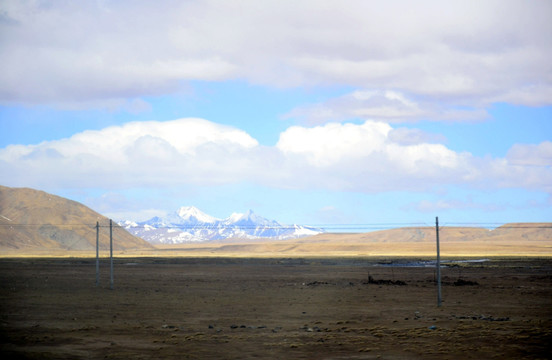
(35, 223)
(189, 224)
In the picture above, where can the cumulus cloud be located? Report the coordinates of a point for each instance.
(466, 53)
(367, 157)
(137, 153)
(373, 157)
(324, 146)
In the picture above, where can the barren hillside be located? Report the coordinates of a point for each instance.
(32, 219)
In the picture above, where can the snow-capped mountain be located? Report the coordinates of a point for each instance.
(189, 224)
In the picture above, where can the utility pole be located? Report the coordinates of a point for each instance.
(111, 252)
(97, 253)
(438, 263)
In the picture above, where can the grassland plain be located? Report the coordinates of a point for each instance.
(324, 245)
(275, 308)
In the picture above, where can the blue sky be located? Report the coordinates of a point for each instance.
(315, 112)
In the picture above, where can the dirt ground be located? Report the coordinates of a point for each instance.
(232, 308)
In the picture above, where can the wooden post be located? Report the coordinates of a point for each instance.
(111, 252)
(438, 263)
(97, 253)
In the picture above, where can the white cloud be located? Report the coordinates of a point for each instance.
(367, 157)
(371, 157)
(389, 106)
(332, 143)
(468, 53)
(531, 154)
(135, 154)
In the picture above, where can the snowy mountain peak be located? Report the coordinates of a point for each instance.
(193, 214)
(249, 215)
(191, 224)
(251, 219)
(234, 217)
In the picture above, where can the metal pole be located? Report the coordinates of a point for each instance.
(438, 263)
(97, 253)
(111, 252)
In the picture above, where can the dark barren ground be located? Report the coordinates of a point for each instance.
(233, 308)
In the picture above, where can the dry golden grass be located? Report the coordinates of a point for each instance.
(341, 245)
(278, 249)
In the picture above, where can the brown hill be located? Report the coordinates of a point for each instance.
(35, 220)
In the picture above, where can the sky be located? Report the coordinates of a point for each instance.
(346, 114)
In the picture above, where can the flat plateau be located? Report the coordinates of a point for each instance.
(275, 308)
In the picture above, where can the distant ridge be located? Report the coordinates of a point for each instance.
(33, 219)
(512, 232)
(511, 240)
